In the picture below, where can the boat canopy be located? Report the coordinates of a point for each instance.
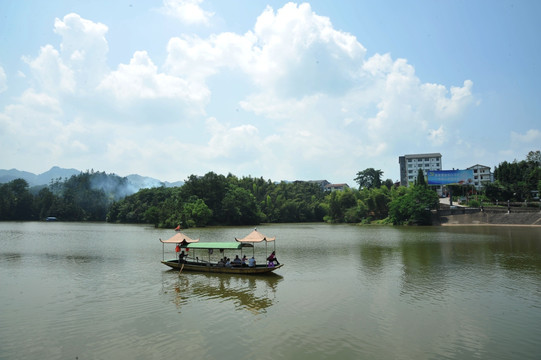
(216, 245)
(255, 236)
(179, 238)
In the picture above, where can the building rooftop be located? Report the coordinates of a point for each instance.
(422, 155)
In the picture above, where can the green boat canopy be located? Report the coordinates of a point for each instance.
(216, 245)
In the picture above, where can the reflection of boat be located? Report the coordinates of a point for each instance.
(185, 244)
(253, 293)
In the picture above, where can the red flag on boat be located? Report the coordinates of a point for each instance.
(177, 228)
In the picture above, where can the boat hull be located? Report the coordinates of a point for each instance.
(212, 268)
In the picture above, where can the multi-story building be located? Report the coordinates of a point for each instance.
(410, 165)
(481, 175)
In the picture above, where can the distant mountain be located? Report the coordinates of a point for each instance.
(55, 173)
(135, 181)
(10, 175)
(35, 180)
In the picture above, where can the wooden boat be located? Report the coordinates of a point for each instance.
(194, 263)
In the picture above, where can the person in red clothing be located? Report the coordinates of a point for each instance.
(272, 258)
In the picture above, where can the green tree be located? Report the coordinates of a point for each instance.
(239, 207)
(534, 157)
(421, 181)
(369, 178)
(43, 203)
(198, 212)
(16, 201)
(211, 188)
(414, 207)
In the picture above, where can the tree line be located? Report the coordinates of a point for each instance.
(215, 199)
(515, 180)
(83, 197)
(211, 199)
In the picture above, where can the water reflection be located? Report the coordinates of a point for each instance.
(431, 262)
(96, 291)
(253, 293)
(10, 257)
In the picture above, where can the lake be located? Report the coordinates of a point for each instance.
(99, 291)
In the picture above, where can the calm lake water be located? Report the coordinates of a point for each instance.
(99, 291)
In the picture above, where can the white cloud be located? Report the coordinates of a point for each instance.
(318, 101)
(532, 136)
(140, 79)
(296, 50)
(3, 80)
(232, 142)
(187, 11)
(31, 126)
(50, 72)
(437, 136)
(197, 59)
(84, 47)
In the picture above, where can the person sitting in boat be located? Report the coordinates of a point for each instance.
(182, 257)
(237, 260)
(220, 263)
(228, 262)
(272, 258)
(251, 262)
(243, 261)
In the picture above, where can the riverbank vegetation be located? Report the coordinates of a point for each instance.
(215, 199)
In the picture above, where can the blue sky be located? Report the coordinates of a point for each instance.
(283, 91)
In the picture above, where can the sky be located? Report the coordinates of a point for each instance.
(315, 90)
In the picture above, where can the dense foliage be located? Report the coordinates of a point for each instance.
(83, 197)
(215, 199)
(515, 181)
(413, 207)
(219, 199)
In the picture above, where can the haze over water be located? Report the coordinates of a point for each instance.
(99, 291)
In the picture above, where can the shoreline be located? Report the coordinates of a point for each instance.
(478, 218)
(492, 225)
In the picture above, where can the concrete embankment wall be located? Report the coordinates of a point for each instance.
(466, 216)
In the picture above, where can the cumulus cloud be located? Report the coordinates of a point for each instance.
(34, 126)
(50, 73)
(80, 63)
(84, 47)
(197, 59)
(313, 93)
(296, 51)
(140, 79)
(187, 11)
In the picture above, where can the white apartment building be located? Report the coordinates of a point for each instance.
(410, 165)
(481, 174)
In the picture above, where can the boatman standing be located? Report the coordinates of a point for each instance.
(272, 258)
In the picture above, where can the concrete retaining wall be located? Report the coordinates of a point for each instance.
(488, 216)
